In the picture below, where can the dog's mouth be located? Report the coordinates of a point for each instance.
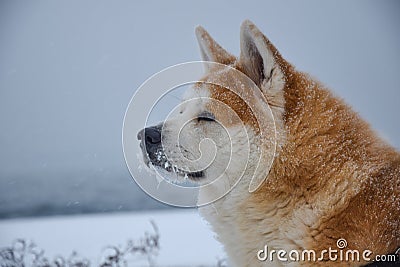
(194, 176)
(155, 158)
(158, 160)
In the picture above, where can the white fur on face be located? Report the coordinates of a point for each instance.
(208, 147)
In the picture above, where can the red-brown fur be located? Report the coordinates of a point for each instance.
(331, 165)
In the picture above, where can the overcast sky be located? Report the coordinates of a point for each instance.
(68, 69)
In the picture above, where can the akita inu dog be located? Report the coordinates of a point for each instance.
(331, 178)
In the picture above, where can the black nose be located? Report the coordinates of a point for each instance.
(150, 135)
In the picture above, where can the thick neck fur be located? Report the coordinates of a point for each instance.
(329, 163)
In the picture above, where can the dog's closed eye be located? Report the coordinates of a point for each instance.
(205, 116)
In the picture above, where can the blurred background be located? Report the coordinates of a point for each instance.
(69, 68)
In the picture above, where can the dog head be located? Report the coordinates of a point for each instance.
(222, 122)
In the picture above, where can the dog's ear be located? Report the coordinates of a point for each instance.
(211, 50)
(258, 57)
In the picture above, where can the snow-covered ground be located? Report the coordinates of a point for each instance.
(185, 238)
